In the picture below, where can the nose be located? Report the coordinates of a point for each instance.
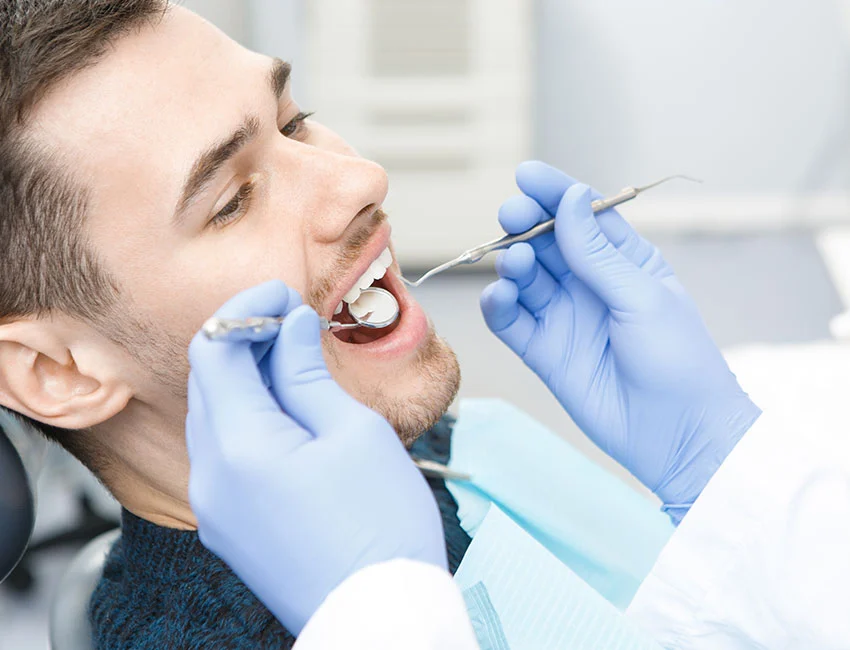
(336, 187)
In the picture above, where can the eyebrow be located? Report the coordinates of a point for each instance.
(211, 161)
(279, 77)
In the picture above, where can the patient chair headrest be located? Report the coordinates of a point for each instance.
(21, 454)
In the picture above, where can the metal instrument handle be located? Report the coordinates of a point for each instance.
(433, 469)
(476, 254)
(257, 329)
(600, 205)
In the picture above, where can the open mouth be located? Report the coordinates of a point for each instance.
(377, 275)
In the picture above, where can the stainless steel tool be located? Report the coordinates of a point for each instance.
(478, 253)
(264, 329)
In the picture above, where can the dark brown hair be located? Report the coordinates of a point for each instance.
(46, 265)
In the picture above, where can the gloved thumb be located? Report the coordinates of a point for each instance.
(300, 379)
(226, 374)
(618, 282)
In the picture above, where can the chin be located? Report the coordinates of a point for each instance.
(405, 371)
(413, 396)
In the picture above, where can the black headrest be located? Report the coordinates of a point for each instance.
(17, 506)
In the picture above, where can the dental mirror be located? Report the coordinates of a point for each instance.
(376, 308)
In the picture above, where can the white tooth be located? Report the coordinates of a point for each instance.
(352, 295)
(365, 280)
(378, 270)
(338, 309)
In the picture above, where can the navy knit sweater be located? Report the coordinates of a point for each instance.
(161, 589)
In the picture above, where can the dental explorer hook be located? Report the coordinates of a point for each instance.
(476, 254)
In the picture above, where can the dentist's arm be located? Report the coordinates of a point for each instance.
(598, 314)
(397, 604)
(761, 560)
(305, 492)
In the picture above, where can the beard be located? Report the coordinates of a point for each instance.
(412, 402)
(419, 398)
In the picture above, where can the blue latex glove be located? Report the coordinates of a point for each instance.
(595, 311)
(297, 501)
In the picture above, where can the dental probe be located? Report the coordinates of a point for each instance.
(435, 470)
(476, 254)
(262, 328)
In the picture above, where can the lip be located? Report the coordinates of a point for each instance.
(371, 252)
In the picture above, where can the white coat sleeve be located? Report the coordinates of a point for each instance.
(762, 560)
(396, 604)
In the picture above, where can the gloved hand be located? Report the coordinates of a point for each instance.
(298, 486)
(595, 311)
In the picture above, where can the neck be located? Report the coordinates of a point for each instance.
(148, 468)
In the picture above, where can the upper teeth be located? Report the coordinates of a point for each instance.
(376, 271)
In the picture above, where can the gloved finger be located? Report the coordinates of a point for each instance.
(261, 349)
(635, 248)
(227, 376)
(620, 233)
(536, 286)
(543, 183)
(518, 214)
(618, 282)
(547, 185)
(267, 299)
(505, 317)
(270, 299)
(301, 380)
(195, 420)
(201, 466)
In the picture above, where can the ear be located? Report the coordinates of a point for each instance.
(40, 376)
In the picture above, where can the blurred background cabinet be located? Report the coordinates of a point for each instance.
(751, 96)
(439, 93)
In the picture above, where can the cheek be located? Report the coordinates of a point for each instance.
(177, 281)
(187, 295)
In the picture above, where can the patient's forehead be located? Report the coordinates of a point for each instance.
(130, 125)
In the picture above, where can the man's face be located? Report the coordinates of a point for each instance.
(205, 179)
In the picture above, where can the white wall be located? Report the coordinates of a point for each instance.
(278, 28)
(438, 92)
(750, 95)
(273, 27)
(229, 15)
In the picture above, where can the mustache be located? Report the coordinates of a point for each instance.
(351, 252)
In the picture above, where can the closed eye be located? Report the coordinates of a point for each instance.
(236, 207)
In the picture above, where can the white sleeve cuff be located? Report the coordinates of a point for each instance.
(396, 604)
(739, 571)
